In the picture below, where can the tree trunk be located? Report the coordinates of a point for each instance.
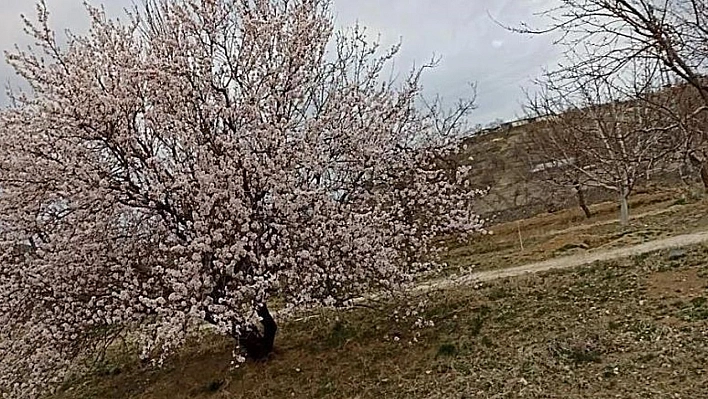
(624, 209)
(700, 162)
(704, 174)
(257, 344)
(581, 199)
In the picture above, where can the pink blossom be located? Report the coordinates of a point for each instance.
(193, 166)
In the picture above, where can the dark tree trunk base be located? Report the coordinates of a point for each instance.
(581, 200)
(700, 162)
(259, 345)
(704, 175)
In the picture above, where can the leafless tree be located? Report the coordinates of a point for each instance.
(681, 107)
(553, 174)
(594, 132)
(613, 33)
(610, 35)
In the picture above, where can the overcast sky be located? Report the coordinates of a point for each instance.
(472, 47)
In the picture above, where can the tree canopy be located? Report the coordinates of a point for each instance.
(199, 158)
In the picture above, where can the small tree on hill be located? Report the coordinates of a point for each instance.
(195, 162)
(610, 35)
(553, 172)
(600, 132)
(688, 119)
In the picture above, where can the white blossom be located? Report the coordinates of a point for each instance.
(199, 163)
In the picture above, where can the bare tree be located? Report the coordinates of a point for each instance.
(595, 133)
(613, 33)
(609, 35)
(553, 173)
(681, 106)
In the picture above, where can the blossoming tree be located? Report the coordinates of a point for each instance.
(198, 159)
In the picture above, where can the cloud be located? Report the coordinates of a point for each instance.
(472, 46)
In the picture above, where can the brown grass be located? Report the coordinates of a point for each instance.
(633, 328)
(610, 330)
(565, 232)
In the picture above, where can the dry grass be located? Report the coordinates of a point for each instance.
(634, 328)
(566, 232)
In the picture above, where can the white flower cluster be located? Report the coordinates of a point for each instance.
(194, 165)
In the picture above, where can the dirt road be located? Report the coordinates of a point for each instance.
(567, 262)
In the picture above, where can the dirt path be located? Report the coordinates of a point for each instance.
(567, 262)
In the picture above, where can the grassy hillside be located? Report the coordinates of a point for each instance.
(632, 328)
(544, 236)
